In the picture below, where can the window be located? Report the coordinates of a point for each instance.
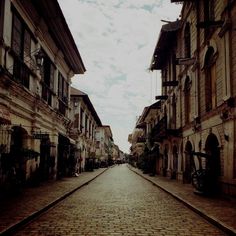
(62, 88)
(173, 64)
(90, 129)
(47, 74)
(164, 79)
(76, 121)
(210, 79)
(187, 41)
(86, 124)
(187, 86)
(209, 10)
(209, 15)
(17, 36)
(81, 119)
(174, 111)
(21, 47)
(62, 93)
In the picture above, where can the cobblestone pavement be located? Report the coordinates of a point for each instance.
(120, 202)
(219, 210)
(31, 200)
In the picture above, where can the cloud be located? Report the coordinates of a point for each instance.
(116, 40)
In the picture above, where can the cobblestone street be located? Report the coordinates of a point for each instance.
(120, 202)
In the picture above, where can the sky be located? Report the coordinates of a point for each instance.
(116, 40)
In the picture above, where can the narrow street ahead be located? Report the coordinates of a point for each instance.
(119, 202)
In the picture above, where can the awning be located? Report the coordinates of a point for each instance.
(5, 117)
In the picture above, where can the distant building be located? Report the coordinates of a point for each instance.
(115, 153)
(104, 144)
(85, 123)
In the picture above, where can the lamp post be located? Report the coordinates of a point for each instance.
(39, 56)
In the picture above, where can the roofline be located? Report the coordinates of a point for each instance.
(86, 99)
(59, 29)
(165, 32)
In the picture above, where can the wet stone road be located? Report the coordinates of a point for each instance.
(119, 202)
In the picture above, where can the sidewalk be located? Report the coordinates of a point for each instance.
(218, 211)
(21, 208)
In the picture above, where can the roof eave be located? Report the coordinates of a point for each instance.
(52, 13)
(167, 32)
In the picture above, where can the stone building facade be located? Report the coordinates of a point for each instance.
(38, 58)
(85, 123)
(196, 124)
(104, 144)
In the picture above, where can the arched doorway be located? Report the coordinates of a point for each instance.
(165, 161)
(45, 159)
(63, 155)
(18, 151)
(188, 165)
(175, 162)
(213, 162)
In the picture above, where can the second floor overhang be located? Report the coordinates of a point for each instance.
(51, 13)
(167, 37)
(161, 131)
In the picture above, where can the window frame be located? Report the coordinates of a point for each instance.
(210, 80)
(187, 97)
(209, 16)
(187, 41)
(21, 39)
(48, 77)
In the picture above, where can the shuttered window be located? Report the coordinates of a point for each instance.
(21, 47)
(210, 80)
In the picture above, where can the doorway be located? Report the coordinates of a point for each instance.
(188, 165)
(213, 165)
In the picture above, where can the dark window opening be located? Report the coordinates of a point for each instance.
(209, 15)
(21, 47)
(187, 86)
(210, 80)
(187, 41)
(63, 88)
(47, 74)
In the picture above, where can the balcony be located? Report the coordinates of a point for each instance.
(161, 131)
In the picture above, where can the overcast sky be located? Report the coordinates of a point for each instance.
(116, 40)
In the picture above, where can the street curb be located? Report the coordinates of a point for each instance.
(229, 230)
(13, 228)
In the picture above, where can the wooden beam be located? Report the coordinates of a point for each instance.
(207, 24)
(162, 97)
(170, 83)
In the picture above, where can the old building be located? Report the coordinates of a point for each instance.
(104, 144)
(85, 123)
(168, 128)
(38, 58)
(196, 57)
(145, 149)
(137, 139)
(115, 153)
